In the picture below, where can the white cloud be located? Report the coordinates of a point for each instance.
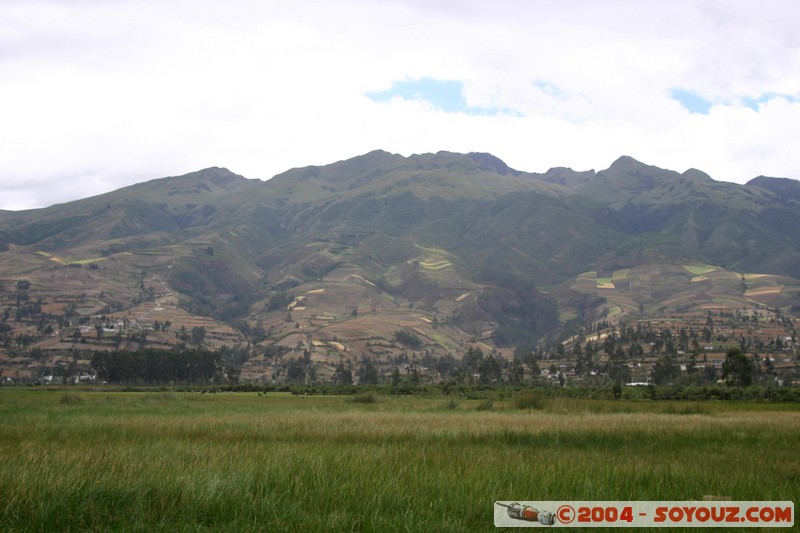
(97, 95)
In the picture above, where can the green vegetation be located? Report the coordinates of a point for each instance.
(699, 270)
(88, 261)
(528, 400)
(407, 339)
(620, 275)
(435, 265)
(150, 366)
(738, 368)
(183, 461)
(607, 282)
(365, 397)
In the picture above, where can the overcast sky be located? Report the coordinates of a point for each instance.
(98, 94)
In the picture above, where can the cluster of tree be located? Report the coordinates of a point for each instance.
(29, 310)
(255, 334)
(150, 366)
(317, 272)
(145, 295)
(161, 326)
(484, 370)
(772, 345)
(659, 340)
(343, 375)
(368, 372)
(738, 368)
(689, 339)
(477, 368)
(521, 317)
(408, 339)
(198, 334)
(586, 311)
(300, 370)
(279, 301)
(237, 307)
(6, 334)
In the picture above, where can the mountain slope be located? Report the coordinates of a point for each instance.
(739, 227)
(784, 188)
(161, 205)
(447, 247)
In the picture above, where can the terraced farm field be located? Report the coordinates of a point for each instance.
(683, 287)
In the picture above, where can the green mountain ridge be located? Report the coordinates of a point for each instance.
(462, 238)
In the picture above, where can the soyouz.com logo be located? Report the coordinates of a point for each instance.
(643, 514)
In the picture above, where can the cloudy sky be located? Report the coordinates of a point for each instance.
(95, 95)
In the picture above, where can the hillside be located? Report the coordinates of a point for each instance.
(387, 258)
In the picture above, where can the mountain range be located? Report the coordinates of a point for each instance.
(448, 246)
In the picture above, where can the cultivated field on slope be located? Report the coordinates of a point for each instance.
(98, 460)
(54, 303)
(659, 288)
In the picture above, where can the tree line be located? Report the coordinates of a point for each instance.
(151, 366)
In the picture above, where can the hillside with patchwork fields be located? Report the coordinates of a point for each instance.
(392, 268)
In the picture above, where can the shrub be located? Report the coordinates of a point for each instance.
(485, 405)
(451, 404)
(365, 397)
(70, 398)
(528, 400)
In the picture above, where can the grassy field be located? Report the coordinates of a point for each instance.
(92, 460)
(699, 270)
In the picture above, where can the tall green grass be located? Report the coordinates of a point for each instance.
(182, 461)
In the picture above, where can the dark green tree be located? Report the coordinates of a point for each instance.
(296, 371)
(737, 369)
(342, 375)
(665, 370)
(367, 372)
(407, 339)
(533, 366)
(198, 335)
(489, 370)
(472, 360)
(446, 365)
(580, 362)
(617, 368)
(516, 373)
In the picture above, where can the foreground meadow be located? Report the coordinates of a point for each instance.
(158, 461)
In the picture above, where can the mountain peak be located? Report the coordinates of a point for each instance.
(784, 187)
(567, 177)
(764, 180)
(219, 175)
(694, 173)
(625, 162)
(492, 163)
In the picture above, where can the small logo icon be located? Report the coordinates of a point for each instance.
(529, 514)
